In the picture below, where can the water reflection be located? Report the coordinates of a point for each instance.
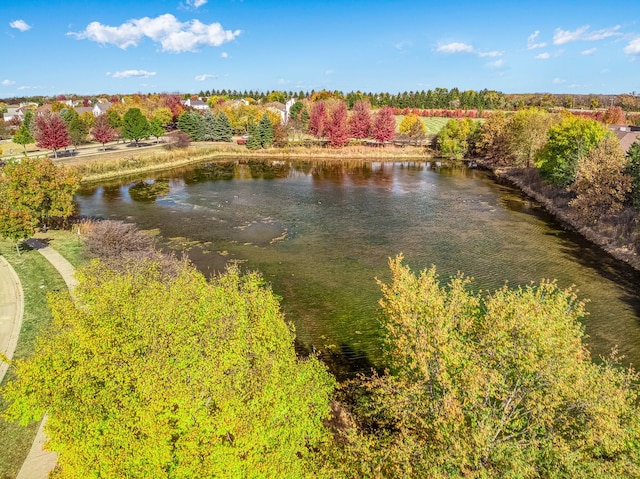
(321, 232)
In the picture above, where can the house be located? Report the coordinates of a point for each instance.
(196, 104)
(100, 108)
(83, 109)
(627, 134)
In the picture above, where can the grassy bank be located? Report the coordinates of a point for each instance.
(38, 278)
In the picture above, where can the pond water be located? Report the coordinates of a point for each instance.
(321, 233)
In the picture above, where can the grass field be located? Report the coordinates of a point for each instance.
(38, 278)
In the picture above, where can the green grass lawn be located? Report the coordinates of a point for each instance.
(433, 124)
(38, 278)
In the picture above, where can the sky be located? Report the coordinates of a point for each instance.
(52, 47)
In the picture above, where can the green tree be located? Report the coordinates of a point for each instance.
(23, 136)
(209, 119)
(265, 131)
(155, 128)
(601, 185)
(78, 131)
(633, 170)
(32, 191)
(527, 132)
(192, 123)
(496, 385)
(158, 373)
(454, 139)
(569, 141)
(253, 141)
(135, 126)
(223, 130)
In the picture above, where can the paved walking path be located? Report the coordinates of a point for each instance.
(11, 312)
(39, 462)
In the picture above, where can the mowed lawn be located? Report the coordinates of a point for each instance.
(432, 124)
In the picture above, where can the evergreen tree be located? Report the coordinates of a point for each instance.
(223, 130)
(209, 122)
(265, 131)
(253, 142)
(192, 123)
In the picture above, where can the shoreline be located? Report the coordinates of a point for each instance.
(621, 252)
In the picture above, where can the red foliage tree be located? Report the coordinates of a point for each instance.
(384, 125)
(614, 116)
(360, 121)
(318, 119)
(337, 129)
(102, 131)
(174, 104)
(51, 132)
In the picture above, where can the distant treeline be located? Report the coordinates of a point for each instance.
(429, 99)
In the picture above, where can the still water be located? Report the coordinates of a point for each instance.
(321, 234)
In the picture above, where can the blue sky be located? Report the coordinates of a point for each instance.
(60, 47)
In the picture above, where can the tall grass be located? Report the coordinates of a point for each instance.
(109, 166)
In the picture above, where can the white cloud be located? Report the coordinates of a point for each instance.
(561, 37)
(20, 25)
(542, 56)
(206, 76)
(132, 73)
(590, 51)
(224, 55)
(329, 72)
(558, 81)
(633, 48)
(27, 88)
(455, 47)
(174, 36)
(8, 82)
(497, 65)
(531, 41)
(282, 81)
(490, 54)
(196, 3)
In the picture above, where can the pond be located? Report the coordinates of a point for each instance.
(322, 232)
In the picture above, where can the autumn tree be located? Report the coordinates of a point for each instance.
(163, 115)
(569, 141)
(384, 125)
(633, 170)
(412, 127)
(318, 119)
(614, 115)
(601, 184)
(51, 132)
(103, 132)
(360, 122)
(31, 191)
(489, 385)
(152, 372)
(492, 138)
(526, 134)
(337, 128)
(135, 126)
